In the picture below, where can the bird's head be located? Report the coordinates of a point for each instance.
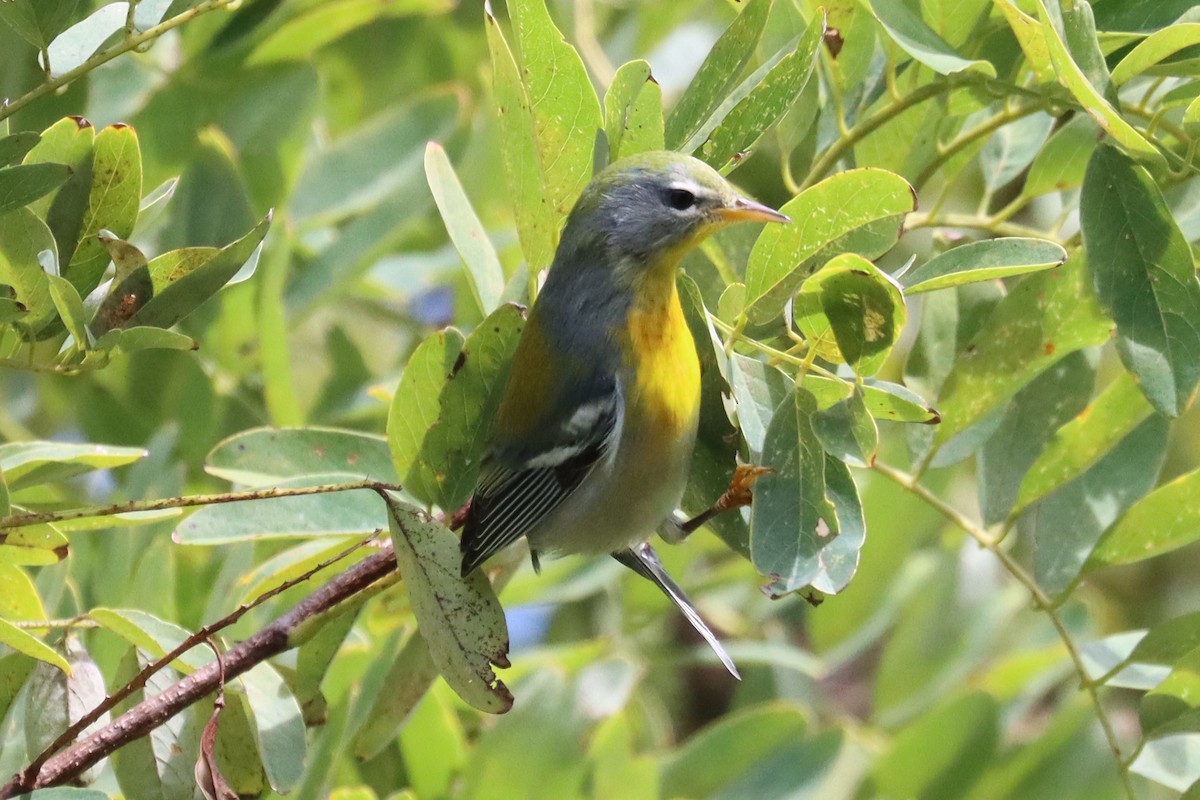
(650, 208)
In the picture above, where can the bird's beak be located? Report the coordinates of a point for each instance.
(743, 210)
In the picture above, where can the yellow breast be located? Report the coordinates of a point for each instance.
(665, 391)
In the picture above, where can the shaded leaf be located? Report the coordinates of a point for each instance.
(1145, 277)
(1013, 148)
(188, 293)
(851, 313)
(318, 24)
(1174, 705)
(1062, 162)
(459, 618)
(25, 183)
(77, 43)
(22, 237)
(14, 147)
(265, 456)
(847, 431)
(408, 680)
(31, 463)
(278, 726)
(62, 698)
(909, 31)
(151, 634)
(1067, 524)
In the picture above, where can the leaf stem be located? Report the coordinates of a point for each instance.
(864, 128)
(992, 224)
(988, 126)
(1041, 600)
(37, 518)
(104, 56)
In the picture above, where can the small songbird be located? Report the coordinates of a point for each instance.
(594, 434)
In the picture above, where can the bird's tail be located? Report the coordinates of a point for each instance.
(645, 562)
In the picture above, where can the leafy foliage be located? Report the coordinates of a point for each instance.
(990, 279)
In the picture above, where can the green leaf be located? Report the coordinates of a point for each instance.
(537, 220)
(859, 211)
(61, 699)
(799, 763)
(158, 765)
(983, 261)
(1060, 165)
(459, 618)
(1032, 39)
(847, 430)
(909, 31)
(319, 24)
(33, 545)
(112, 204)
(728, 748)
(759, 389)
(718, 74)
(1173, 761)
(77, 43)
(131, 340)
(1067, 524)
(348, 513)
(370, 163)
(24, 183)
(943, 753)
(714, 457)
(153, 635)
(19, 598)
(185, 295)
(1145, 276)
(31, 463)
(22, 237)
(1084, 440)
(851, 313)
(633, 113)
(1013, 148)
(1174, 705)
(15, 669)
(408, 680)
(127, 295)
(13, 148)
(486, 276)
(1154, 48)
(1046, 317)
(278, 726)
(1165, 520)
(169, 267)
(70, 309)
(1031, 421)
(1107, 117)
(792, 518)
(563, 106)
(1167, 642)
(265, 456)
(766, 104)
(442, 411)
(22, 642)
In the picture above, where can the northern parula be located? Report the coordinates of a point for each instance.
(594, 434)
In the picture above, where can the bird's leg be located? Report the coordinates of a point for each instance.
(738, 494)
(459, 518)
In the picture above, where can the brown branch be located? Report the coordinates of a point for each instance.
(149, 714)
(199, 637)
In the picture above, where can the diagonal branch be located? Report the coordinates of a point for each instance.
(272, 640)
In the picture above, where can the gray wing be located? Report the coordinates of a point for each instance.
(517, 490)
(645, 562)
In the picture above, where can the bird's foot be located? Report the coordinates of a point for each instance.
(740, 492)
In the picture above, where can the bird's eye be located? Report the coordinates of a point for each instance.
(681, 199)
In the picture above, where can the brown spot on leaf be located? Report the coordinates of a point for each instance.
(833, 41)
(1050, 348)
(460, 361)
(81, 122)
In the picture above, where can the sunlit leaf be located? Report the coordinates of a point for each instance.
(112, 204)
(153, 635)
(30, 645)
(1154, 48)
(278, 726)
(1167, 519)
(859, 211)
(984, 260)
(633, 114)
(33, 462)
(719, 73)
(459, 618)
(1060, 164)
(466, 231)
(264, 456)
(22, 237)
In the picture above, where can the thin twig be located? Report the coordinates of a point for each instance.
(199, 637)
(24, 520)
(1041, 600)
(104, 56)
(273, 639)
